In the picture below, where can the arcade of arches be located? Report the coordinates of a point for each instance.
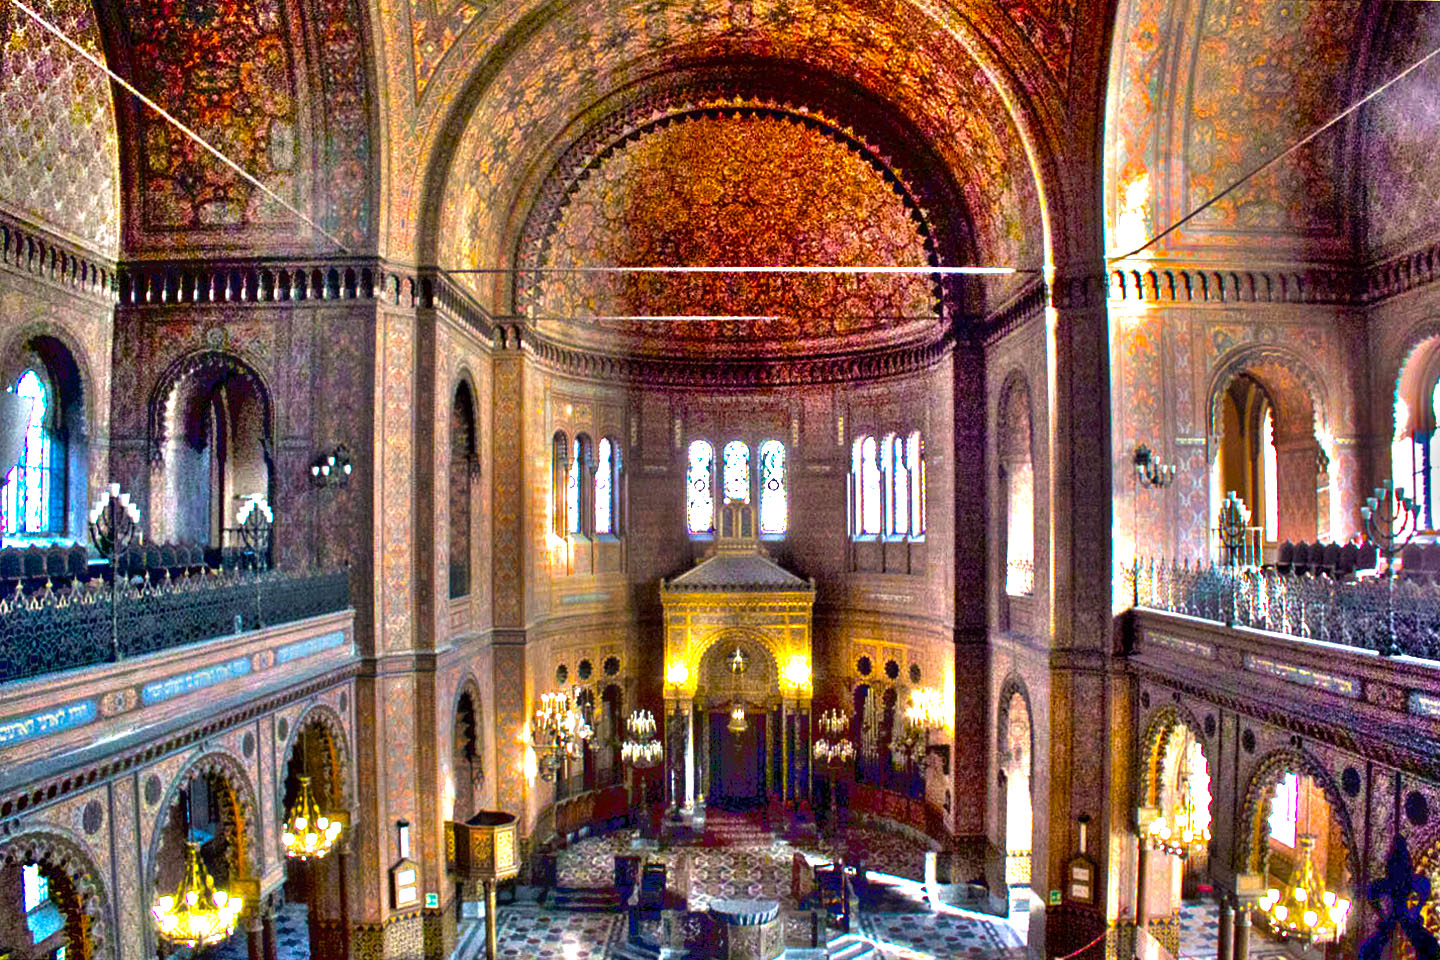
(1027, 611)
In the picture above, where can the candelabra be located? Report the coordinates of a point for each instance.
(833, 752)
(1233, 526)
(256, 521)
(1305, 909)
(114, 526)
(1391, 520)
(1149, 472)
(332, 469)
(641, 749)
(559, 730)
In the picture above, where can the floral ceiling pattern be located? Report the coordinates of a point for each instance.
(586, 52)
(59, 154)
(735, 190)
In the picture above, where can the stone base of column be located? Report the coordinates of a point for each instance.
(401, 938)
(440, 933)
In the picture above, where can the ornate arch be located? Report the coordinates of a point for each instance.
(761, 638)
(341, 759)
(1156, 743)
(1395, 366)
(1241, 360)
(1251, 849)
(53, 847)
(1012, 686)
(167, 388)
(10, 366)
(1015, 380)
(242, 811)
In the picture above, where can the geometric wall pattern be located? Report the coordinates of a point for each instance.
(59, 159)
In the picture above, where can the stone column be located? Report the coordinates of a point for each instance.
(254, 935)
(1142, 915)
(267, 932)
(784, 752)
(1242, 932)
(1226, 947)
(342, 851)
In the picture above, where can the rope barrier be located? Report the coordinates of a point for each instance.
(1071, 956)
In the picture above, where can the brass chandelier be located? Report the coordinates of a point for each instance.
(559, 730)
(308, 833)
(737, 664)
(1188, 833)
(641, 749)
(198, 914)
(1305, 910)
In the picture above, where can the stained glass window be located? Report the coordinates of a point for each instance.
(604, 487)
(699, 488)
(572, 489)
(774, 503)
(26, 495)
(865, 484)
(559, 484)
(915, 457)
(737, 472)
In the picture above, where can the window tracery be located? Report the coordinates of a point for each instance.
(887, 486)
(774, 505)
(27, 492)
(699, 489)
(736, 460)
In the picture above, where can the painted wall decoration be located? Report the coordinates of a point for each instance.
(1402, 186)
(59, 158)
(905, 57)
(737, 190)
(224, 68)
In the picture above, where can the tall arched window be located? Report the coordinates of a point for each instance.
(560, 484)
(700, 489)
(1269, 474)
(27, 491)
(607, 475)
(463, 461)
(578, 491)
(865, 488)
(774, 502)
(897, 486)
(915, 457)
(736, 460)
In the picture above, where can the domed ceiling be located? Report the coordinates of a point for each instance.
(748, 188)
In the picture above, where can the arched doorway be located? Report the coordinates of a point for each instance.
(1016, 765)
(1266, 427)
(1174, 823)
(314, 907)
(1297, 832)
(737, 694)
(1415, 450)
(211, 430)
(50, 899)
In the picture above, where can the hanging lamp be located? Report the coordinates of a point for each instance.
(738, 723)
(198, 914)
(308, 833)
(1305, 910)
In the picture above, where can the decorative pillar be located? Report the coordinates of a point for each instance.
(492, 926)
(1225, 949)
(267, 932)
(343, 852)
(784, 752)
(1142, 915)
(254, 935)
(1242, 932)
(689, 797)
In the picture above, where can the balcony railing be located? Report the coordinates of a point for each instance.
(1354, 612)
(87, 624)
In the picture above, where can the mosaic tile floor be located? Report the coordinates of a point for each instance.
(1200, 930)
(935, 935)
(292, 937)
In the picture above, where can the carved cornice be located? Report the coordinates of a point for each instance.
(1418, 756)
(1193, 283)
(738, 372)
(1027, 305)
(33, 250)
(268, 282)
(17, 803)
(1401, 274)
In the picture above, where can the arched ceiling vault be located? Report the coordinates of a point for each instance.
(547, 82)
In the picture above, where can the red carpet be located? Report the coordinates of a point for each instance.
(726, 829)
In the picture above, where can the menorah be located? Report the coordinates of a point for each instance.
(1391, 521)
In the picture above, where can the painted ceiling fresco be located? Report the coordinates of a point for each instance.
(1254, 77)
(579, 56)
(223, 67)
(747, 190)
(59, 158)
(1397, 146)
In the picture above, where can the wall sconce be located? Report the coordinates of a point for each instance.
(1150, 471)
(677, 674)
(332, 469)
(797, 671)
